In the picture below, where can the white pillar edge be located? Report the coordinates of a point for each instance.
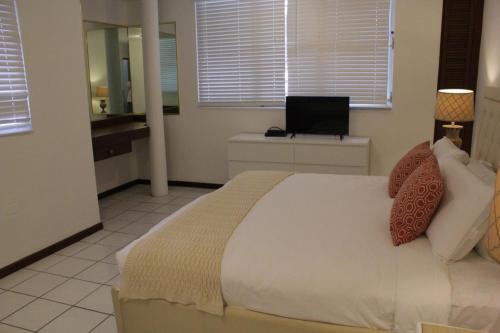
(154, 103)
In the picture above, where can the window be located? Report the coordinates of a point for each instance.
(257, 52)
(14, 103)
(241, 52)
(168, 64)
(340, 48)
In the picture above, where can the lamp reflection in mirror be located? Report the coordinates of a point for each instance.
(454, 105)
(102, 93)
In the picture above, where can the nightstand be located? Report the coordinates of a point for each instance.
(436, 328)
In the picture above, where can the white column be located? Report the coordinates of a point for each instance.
(154, 104)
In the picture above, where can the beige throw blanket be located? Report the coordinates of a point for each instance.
(181, 262)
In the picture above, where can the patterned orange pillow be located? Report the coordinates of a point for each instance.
(416, 202)
(493, 234)
(406, 165)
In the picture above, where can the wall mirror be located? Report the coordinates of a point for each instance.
(108, 62)
(116, 73)
(168, 68)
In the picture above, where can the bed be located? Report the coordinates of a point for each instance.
(326, 264)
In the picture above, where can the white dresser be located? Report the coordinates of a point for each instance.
(303, 153)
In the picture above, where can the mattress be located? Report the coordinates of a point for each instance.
(317, 247)
(475, 288)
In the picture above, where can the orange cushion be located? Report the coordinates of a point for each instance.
(406, 165)
(416, 202)
(493, 234)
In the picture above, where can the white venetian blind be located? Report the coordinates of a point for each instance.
(14, 104)
(168, 64)
(241, 51)
(340, 48)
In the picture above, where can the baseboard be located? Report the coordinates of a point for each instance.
(143, 181)
(194, 184)
(184, 184)
(28, 260)
(118, 189)
(148, 182)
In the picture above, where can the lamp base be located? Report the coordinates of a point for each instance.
(103, 105)
(453, 133)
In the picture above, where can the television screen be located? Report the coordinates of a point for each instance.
(317, 115)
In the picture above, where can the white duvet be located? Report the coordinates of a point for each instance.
(317, 247)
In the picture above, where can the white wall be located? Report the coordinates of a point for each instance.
(196, 139)
(48, 189)
(106, 11)
(489, 61)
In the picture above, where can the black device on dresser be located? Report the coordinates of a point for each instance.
(275, 132)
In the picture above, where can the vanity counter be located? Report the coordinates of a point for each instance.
(112, 136)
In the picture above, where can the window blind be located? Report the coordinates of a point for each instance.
(241, 52)
(340, 48)
(14, 103)
(168, 64)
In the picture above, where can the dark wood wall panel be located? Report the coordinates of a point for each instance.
(459, 56)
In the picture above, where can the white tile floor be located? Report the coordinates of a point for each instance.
(69, 291)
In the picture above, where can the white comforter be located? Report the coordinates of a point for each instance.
(317, 247)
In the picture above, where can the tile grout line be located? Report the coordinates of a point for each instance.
(36, 297)
(58, 302)
(67, 278)
(96, 326)
(50, 321)
(21, 328)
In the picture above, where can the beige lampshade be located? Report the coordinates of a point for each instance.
(101, 92)
(455, 105)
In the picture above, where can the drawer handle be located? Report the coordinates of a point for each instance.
(111, 152)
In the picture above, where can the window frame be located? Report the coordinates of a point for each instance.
(281, 105)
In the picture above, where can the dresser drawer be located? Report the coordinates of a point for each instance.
(107, 151)
(260, 152)
(302, 153)
(331, 155)
(331, 169)
(237, 167)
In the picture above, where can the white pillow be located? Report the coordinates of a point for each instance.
(484, 171)
(444, 148)
(462, 218)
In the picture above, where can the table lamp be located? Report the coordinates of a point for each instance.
(454, 105)
(102, 92)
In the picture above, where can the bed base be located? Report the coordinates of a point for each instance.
(159, 316)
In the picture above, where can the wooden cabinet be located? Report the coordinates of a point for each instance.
(113, 136)
(303, 153)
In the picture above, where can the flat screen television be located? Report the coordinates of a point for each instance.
(317, 115)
